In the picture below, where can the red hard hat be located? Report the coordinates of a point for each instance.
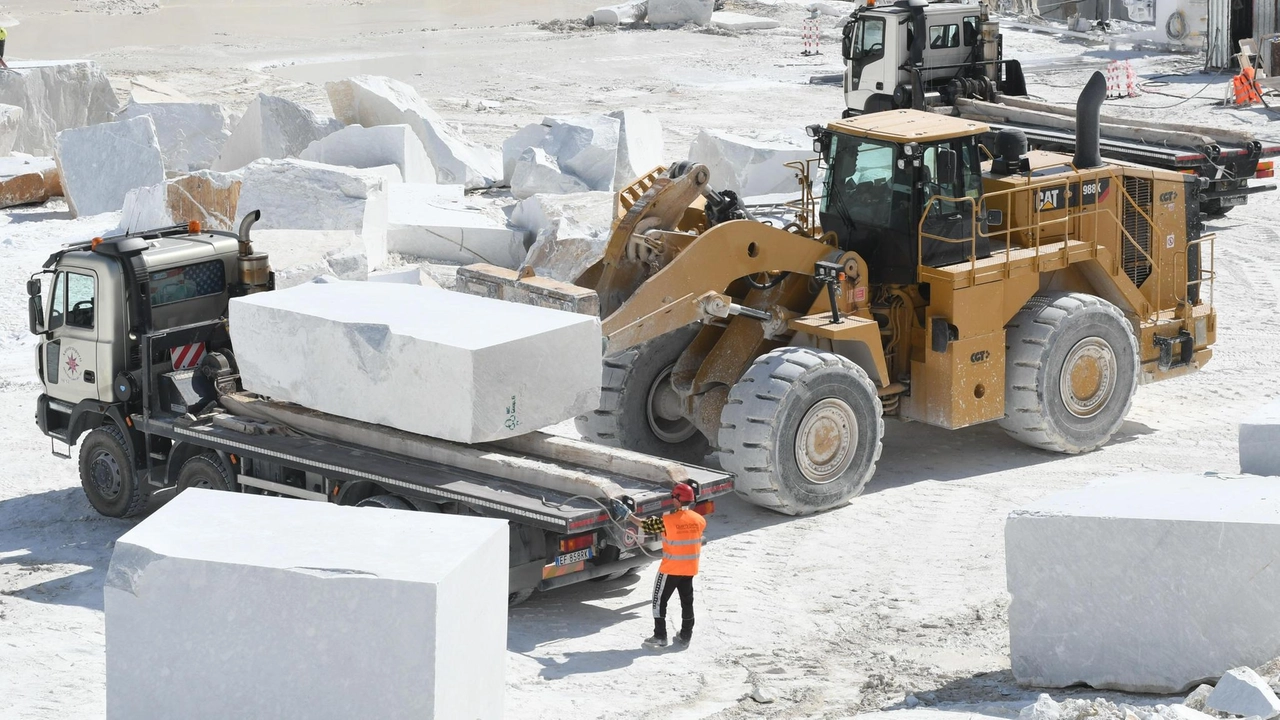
(682, 492)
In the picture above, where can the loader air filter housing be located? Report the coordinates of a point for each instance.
(1011, 144)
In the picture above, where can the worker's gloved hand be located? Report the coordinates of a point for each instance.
(620, 510)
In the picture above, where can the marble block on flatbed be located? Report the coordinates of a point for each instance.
(305, 610)
(1260, 441)
(427, 361)
(1145, 583)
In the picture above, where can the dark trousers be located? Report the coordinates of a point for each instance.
(663, 586)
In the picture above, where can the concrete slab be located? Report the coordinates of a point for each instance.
(427, 361)
(100, 164)
(346, 602)
(1144, 583)
(1260, 441)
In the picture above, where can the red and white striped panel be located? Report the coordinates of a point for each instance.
(186, 356)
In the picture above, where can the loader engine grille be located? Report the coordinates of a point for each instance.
(1135, 262)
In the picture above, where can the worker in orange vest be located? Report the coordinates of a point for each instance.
(1245, 88)
(681, 532)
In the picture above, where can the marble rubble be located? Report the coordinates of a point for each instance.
(56, 96)
(749, 166)
(639, 145)
(371, 100)
(537, 172)
(425, 224)
(300, 256)
(740, 21)
(207, 197)
(361, 147)
(679, 12)
(100, 164)
(1260, 441)
(427, 361)
(529, 136)
(25, 180)
(272, 128)
(570, 232)
(1079, 708)
(263, 588)
(302, 195)
(627, 13)
(10, 124)
(191, 135)
(1242, 692)
(585, 146)
(1146, 582)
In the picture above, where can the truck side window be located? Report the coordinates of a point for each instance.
(80, 300)
(58, 301)
(971, 31)
(944, 36)
(871, 36)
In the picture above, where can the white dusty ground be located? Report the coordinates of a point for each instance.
(901, 592)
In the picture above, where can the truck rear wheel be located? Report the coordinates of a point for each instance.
(801, 431)
(639, 410)
(107, 476)
(205, 471)
(1072, 371)
(389, 502)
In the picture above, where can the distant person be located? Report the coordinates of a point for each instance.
(4, 34)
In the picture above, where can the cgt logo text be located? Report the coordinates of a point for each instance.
(980, 356)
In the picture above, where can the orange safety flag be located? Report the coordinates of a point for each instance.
(681, 542)
(1245, 88)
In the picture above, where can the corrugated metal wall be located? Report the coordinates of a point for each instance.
(1219, 47)
(1264, 24)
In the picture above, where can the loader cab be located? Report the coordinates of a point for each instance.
(882, 172)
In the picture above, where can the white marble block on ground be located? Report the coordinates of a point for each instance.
(741, 21)
(1260, 441)
(306, 610)
(272, 128)
(423, 223)
(300, 256)
(537, 172)
(529, 136)
(639, 145)
(362, 147)
(407, 275)
(585, 146)
(100, 164)
(751, 166)
(10, 125)
(191, 134)
(627, 13)
(679, 12)
(427, 361)
(570, 232)
(205, 196)
(56, 95)
(1144, 583)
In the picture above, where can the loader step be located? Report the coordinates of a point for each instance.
(1012, 263)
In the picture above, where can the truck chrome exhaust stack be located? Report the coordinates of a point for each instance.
(255, 268)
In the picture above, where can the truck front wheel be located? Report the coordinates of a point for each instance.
(107, 476)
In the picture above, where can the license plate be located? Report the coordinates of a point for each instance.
(574, 557)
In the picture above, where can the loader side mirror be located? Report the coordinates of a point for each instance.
(947, 166)
(35, 307)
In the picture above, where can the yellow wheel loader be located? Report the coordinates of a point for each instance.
(932, 279)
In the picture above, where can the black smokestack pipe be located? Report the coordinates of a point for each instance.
(918, 30)
(1089, 123)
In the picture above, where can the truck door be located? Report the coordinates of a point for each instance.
(871, 65)
(71, 347)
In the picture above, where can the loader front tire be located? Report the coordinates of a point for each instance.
(1072, 368)
(801, 431)
(638, 408)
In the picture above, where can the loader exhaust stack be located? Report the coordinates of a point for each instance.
(1089, 123)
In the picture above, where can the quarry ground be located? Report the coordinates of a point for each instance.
(901, 593)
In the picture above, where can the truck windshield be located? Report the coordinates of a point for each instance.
(863, 188)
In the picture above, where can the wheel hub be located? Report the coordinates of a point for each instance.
(105, 474)
(826, 441)
(665, 412)
(1088, 377)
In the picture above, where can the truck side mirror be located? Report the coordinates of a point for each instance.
(35, 314)
(947, 165)
(33, 287)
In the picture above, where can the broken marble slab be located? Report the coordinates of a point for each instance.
(426, 361)
(640, 145)
(372, 100)
(1242, 692)
(529, 136)
(100, 164)
(679, 12)
(272, 128)
(361, 147)
(303, 195)
(570, 232)
(25, 180)
(537, 172)
(1260, 441)
(586, 147)
(56, 95)
(205, 196)
(627, 13)
(751, 166)
(425, 224)
(1150, 582)
(191, 135)
(272, 582)
(300, 256)
(740, 21)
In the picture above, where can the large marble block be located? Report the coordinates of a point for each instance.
(272, 128)
(570, 232)
(585, 146)
(427, 361)
(425, 223)
(529, 136)
(1260, 441)
(10, 124)
(537, 172)
(628, 13)
(372, 100)
(305, 610)
(737, 22)
(679, 12)
(751, 166)
(205, 196)
(191, 135)
(25, 180)
(55, 96)
(1144, 583)
(639, 145)
(100, 164)
(361, 147)
(300, 256)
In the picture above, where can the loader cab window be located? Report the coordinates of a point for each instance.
(944, 36)
(864, 187)
(72, 302)
(971, 31)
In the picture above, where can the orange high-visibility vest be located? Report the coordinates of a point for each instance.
(681, 542)
(1246, 90)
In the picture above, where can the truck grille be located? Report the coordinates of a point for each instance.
(1135, 263)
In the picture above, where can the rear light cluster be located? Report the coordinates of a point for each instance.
(577, 542)
(1265, 169)
(706, 507)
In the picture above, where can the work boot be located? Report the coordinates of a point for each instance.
(657, 641)
(682, 640)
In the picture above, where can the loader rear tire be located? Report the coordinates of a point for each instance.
(1072, 369)
(636, 403)
(801, 431)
